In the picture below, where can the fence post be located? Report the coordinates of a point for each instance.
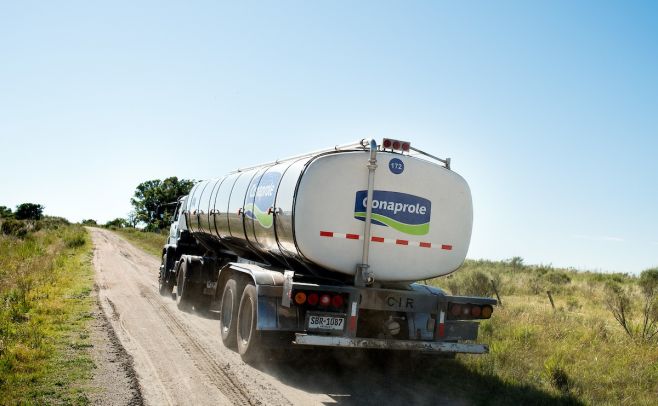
(551, 299)
(493, 284)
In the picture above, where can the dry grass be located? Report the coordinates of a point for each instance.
(148, 241)
(576, 353)
(45, 304)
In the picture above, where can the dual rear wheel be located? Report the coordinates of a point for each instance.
(189, 294)
(238, 319)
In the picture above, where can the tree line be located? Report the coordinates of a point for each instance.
(150, 203)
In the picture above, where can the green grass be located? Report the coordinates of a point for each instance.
(576, 353)
(148, 241)
(46, 281)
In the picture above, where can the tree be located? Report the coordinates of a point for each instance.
(5, 212)
(132, 219)
(29, 211)
(151, 196)
(89, 222)
(117, 223)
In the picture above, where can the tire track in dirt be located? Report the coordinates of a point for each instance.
(203, 359)
(179, 358)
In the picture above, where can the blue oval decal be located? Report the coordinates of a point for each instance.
(396, 166)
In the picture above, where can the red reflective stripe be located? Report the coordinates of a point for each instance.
(426, 244)
(377, 239)
(402, 242)
(352, 236)
(446, 247)
(326, 234)
(442, 330)
(352, 323)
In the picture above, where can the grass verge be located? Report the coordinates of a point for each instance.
(46, 281)
(573, 353)
(148, 241)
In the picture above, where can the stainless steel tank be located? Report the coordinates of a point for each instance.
(312, 209)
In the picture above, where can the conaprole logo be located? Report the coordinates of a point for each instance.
(404, 212)
(260, 198)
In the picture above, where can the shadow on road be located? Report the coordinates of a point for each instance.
(385, 378)
(360, 377)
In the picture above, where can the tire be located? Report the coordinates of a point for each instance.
(228, 313)
(184, 291)
(249, 339)
(165, 280)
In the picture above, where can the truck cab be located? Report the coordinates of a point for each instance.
(178, 223)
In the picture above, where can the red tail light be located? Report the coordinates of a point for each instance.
(456, 310)
(337, 301)
(325, 300)
(313, 299)
(476, 311)
(396, 145)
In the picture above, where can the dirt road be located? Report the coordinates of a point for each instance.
(179, 358)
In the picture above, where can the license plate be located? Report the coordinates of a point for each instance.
(326, 322)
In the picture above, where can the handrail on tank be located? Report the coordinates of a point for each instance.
(358, 145)
(446, 161)
(364, 144)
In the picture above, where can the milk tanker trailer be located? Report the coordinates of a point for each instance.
(323, 249)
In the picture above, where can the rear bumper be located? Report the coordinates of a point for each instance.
(375, 343)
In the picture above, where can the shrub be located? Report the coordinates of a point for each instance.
(52, 222)
(29, 211)
(557, 278)
(13, 227)
(478, 284)
(75, 241)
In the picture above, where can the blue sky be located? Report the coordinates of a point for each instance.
(548, 109)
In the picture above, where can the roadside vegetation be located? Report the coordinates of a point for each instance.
(596, 344)
(46, 281)
(150, 242)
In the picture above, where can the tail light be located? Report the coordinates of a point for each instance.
(337, 301)
(476, 311)
(300, 298)
(456, 310)
(396, 145)
(325, 300)
(462, 311)
(329, 300)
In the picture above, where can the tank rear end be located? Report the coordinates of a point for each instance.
(422, 216)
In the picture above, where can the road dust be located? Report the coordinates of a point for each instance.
(178, 357)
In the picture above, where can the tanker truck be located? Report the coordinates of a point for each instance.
(329, 249)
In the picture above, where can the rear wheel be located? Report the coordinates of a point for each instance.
(166, 280)
(249, 340)
(228, 314)
(183, 291)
